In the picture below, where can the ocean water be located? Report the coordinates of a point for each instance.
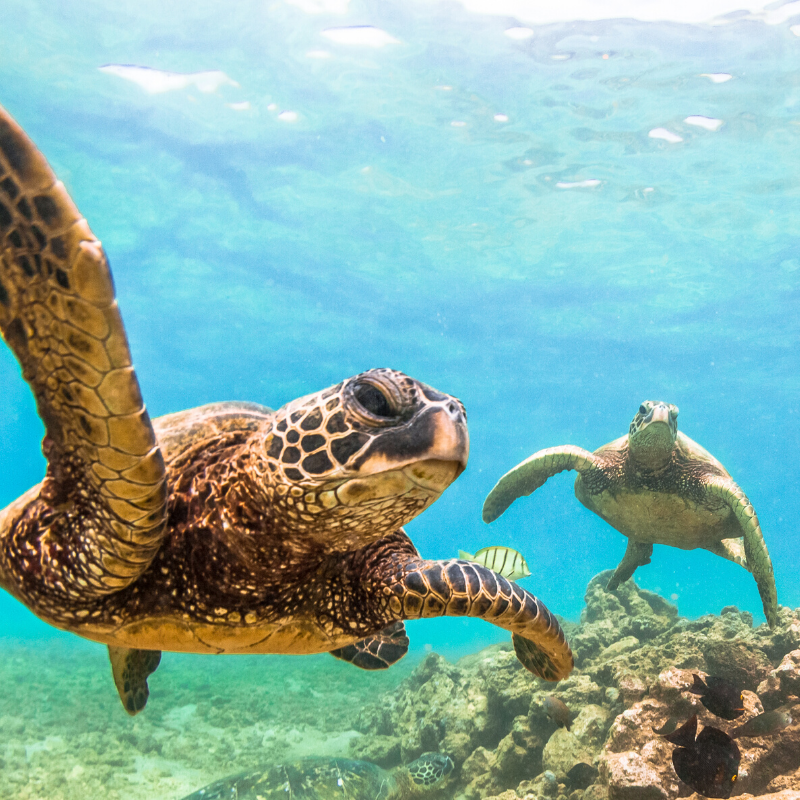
(551, 211)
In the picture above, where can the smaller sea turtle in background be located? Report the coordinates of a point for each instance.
(655, 486)
(328, 778)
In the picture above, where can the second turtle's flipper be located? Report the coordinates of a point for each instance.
(636, 555)
(532, 473)
(376, 652)
(755, 548)
(464, 589)
(131, 668)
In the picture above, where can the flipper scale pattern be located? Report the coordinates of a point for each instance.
(532, 473)
(59, 316)
(755, 548)
(462, 588)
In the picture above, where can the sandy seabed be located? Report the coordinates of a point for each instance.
(64, 734)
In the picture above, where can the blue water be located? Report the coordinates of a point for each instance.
(396, 222)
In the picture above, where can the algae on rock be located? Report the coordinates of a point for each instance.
(635, 657)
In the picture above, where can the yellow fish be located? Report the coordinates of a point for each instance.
(505, 560)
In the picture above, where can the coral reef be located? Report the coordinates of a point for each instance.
(634, 658)
(65, 736)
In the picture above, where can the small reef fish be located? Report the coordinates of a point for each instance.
(764, 724)
(719, 696)
(709, 764)
(557, 711)
(668, 727)
(508, 562)
(581, 776)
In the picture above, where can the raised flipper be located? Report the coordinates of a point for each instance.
(464, 589)
(755, 548)
(528, 476)
(131, 668)
(99, 518)
(636, 555)
(379, 651)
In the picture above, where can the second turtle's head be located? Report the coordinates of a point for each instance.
(429, 770)
(652, 433)
(356, 461)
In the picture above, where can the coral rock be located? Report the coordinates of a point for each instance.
(630, 776)
(562, 751)
(381, 750)
(783, 683)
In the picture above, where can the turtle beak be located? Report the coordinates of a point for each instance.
(438, 435)
(660, 413)
(450, 436)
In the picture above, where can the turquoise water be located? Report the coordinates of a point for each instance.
(489, 214)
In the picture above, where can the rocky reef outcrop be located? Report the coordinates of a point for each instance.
(634, 657)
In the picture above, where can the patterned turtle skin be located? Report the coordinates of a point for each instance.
(656, 486)
(227, 528)
(329, 778)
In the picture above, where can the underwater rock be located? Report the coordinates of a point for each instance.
(736, 662)
(624, 645)
(478, 772)
(562, 752)
(765, 758)
(783, 782)
(610, 617)
(519, 754)
(591, 726)
(787, 794)
(631, 687)
(453, 706)
(633, 776)
(381, 750)
(636, 658)
(783, 683)
(544, 787)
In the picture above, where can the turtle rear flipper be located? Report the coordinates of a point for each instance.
(732, 550)
(376, 652)
(131, 669)
(99, 518)
(637, 554)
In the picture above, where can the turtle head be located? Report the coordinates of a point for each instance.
(652, 434)
(357, 461)
(429, 770)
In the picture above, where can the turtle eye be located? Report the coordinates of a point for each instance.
(373, 400)
(673, 411)
(642, 409)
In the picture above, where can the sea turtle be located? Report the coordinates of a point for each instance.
(655, 486)
(329, 778)
(227, 528)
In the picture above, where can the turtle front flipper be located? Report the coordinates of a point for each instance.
(755, 548)
(99, 517)
(131, 668)
(636, 555)
(465, 589)
(376, 652)
(532, 473)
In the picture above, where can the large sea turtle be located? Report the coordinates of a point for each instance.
(227, 528)
(329, 778)
(656, 486)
